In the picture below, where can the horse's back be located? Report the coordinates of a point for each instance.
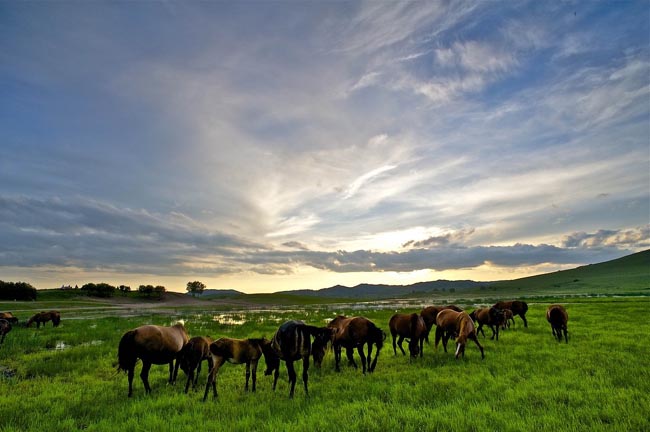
(557, 314)
(448, 317)
(158, 343)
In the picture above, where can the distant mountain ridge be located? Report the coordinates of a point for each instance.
(386, 291)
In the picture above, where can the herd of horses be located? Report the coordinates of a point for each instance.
(8, 320)
(295, 341)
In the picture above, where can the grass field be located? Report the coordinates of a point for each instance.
(62, 379)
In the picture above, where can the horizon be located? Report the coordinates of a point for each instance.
(267, 147)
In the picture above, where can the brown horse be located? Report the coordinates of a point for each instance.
(507, 317)
(9, 317)
(291, 342)
(44, 317)
(517, 307)
(451, 323)
(191, 357)
(429, 314)
(355, 332)
(5, 327)
(235, 351)
(153, 345)
(411, 327)
(492, 317)
(557, 316)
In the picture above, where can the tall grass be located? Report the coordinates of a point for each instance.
(528, 381)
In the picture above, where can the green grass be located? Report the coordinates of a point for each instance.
(528, 381)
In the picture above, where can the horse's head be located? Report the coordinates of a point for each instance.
(319, 347)
(414, 348)
(270, 357)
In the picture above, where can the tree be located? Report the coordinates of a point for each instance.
(99, 290)
(195, 287)
(17, 291)
(124, 289)
(159, 291)
(146, 290)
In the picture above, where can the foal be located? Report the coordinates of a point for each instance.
(557, 316)
(449, 323)
(191, 357)
(235, 351)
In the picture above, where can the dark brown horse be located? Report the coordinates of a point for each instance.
(153, 345)
(44, 317)
(429, 314)
(291, 342)
(517, 307)
(557, 316)
(235, 351)
(451, 323)
(5, 327)
(411, 327)
(355, 332)
(492, 317)
(9, 317)
(191, 357)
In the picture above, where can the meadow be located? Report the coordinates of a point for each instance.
(63, 379)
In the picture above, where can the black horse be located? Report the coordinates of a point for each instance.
(293, 342)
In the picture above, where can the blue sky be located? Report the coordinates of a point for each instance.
(282, 145)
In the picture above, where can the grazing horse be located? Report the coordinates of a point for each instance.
(291, 342)
(355, 332)
(9, 317)
(191, 357)
(153, 345)
(507, 317)
(5, 327)
(235, 351)
(44, 317)
(429, 314)
(450, 323)
(492, 317)
(411, 327)
(517, 307)
(557, 316)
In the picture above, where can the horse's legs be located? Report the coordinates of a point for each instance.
(196, 374)
(248, 374)
(212, 377)
(399, 344)
(439, 333)
(363, 358)
(130, 373)
(305, 375)
(480, 329)
(349, 351)
(144, 375)
(276, 374)
(566, 337)
(369, 356)
(394, 335)
(494, 332)
(337, 357)
(421, 346)
(445, 339)
(475, 339)
(171, 372)
(292, 377)
(523, 317)
(254, 367)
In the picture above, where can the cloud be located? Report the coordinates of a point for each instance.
(360, 181)
(456, 237)
(637, 238)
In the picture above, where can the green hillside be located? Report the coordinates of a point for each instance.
(627, 275)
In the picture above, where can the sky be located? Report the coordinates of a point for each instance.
(268, 146)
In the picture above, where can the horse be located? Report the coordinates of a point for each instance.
(355, 332)
(429, 314)
(291, 342)
(492, 317)
(191, 357)
(44, 317)
(9, 317)
(5, 327)
(557, 316)
(517, 307)
(450, 323)
(411, 327)
(235, 351)
(507, 317)
(153, 345)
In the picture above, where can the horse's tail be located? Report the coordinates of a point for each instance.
(415, 318)
(126, 358)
